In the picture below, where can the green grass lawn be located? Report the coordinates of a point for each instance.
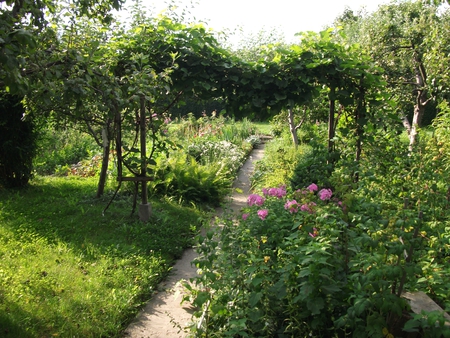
(263, 127)
(68, 271)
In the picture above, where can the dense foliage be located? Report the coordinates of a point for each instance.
(355, 205)
(212, 150)
(333, 261)
(17, 142)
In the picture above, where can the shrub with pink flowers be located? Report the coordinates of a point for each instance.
(274, 228)
(325, 194)
(305, 263)
(332, 258)
(255, 199)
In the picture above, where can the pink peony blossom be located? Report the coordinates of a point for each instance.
(255, 199)
(263, 214)
(325, 194)
(313, 187)
(309, 207)
(305, 207)
(276, 192)
(292, 206)
(245, 216)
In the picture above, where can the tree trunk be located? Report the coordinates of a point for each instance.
(421, 99)
(419, 110)
(292, 127)
(143, 135)
(105, 160)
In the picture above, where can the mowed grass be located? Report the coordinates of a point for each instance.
(68, 271)
(263, 128)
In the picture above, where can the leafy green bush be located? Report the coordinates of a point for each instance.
(17, 142)
(280, 159)
(309, 264)
(215, 148)
(183, 178)
(314, 166)
(61, 148)
(222, 153)
(441, 126)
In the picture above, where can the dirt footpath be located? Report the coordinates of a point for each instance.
(164, 316)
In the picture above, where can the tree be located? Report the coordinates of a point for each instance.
(22, 22)
(27, 49)
(399, 37)
(17, 142)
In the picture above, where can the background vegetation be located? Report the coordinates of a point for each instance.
(360, 110)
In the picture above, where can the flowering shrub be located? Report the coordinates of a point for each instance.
(305, 263)
(221, 153)
(276, 192)
(268, 272)
(325, 194)
(262, 214)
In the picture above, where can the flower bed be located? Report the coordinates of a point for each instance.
(305, 263)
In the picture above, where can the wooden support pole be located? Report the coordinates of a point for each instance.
(144, 208)
(143, 151)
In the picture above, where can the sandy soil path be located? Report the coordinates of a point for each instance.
(164, 316)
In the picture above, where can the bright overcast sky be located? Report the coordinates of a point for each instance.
(286, 16)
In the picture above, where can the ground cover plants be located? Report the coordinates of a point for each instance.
(332, 258)
(67, 270)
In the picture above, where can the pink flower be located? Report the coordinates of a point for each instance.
(255, 199)
(301, 191)
(276, 192)
(325, 194)
(245, 216)
(313, 187)
(305, 207)
(309, 207)
(314, 233)
(263, 214)
(292, 206)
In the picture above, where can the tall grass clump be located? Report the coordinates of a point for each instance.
(212, 128)
(278, 164)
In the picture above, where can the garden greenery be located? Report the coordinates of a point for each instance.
(333, 258)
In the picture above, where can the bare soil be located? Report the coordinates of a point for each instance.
(164, 315)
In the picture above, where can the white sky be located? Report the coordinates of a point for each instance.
(286, 16)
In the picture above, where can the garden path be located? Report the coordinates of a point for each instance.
(164, 316)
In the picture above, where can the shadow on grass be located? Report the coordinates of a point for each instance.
(62, 209)
(10, 327)
(53, 235)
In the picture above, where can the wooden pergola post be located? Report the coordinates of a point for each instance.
(145, 210)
